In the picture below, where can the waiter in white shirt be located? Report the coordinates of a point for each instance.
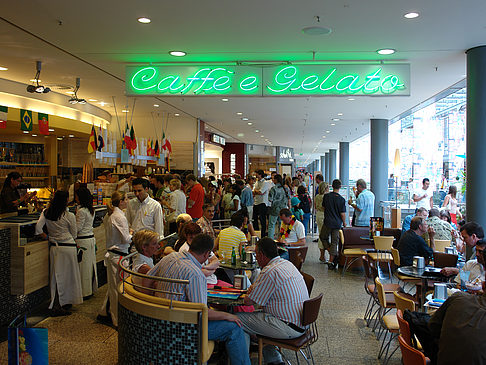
(144, 212)
(260, 191)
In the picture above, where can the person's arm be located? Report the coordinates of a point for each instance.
(435, 322)
(40, 225)
(431, 233)
(72, 224)
(216, 244)
(236, 205)
(130, 215)
(121, 224)
(446, 201)
(449, 271)
(214, 315)
(251, 230)
(431, 202)
(417, 198)
(300, 242)
(159, 220)
(343, 218)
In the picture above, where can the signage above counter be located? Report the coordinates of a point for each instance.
(286, 80)
(285, 154)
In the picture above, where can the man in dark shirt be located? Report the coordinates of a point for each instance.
(412, 244)
(334, 217)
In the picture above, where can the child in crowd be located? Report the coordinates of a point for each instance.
(295, 209)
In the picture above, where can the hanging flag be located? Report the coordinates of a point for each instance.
(3, 117)
(25, 120)
(132, 137)
(168, 146)
(43, 120)
(127, 139)
(149, 148)
(92, 145)
(156, 149)
(101, 142)
(162, 145)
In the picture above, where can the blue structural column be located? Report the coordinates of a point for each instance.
(344, 169)
(326, 173)
(332, 164)
(323, 166)
(476, 135)
(379, 162)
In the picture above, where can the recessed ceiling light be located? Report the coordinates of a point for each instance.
(3, 68)
(241, 134)
(350, 99)
(340, 114)
(59, 138)
(316, 30)
(125, 111)
(411, 15)
(35, 80)
(34, 135)
(70, 92)
(386, 51)
(323, 136)
(26, 132)
(177, 53)
(144, 20)
(262, 136)
(333, 123)
(249, 123)
(336, 119)
(176, 114)
(239, 113)
(328, 131)
(102, 103)
(92, 100)
(257, 130)
(71, 136)
(51, 129)
(245, 119)
(225, 99)
(156, 105)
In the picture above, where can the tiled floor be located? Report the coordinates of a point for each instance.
(343, 338)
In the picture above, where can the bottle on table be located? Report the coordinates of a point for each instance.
(243, 253)
(233, 257)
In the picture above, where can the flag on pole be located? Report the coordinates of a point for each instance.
(167, 145)
(156, 149)
(43, 120)
(101, 142)
(132, 137)
(162, 145)
(25, 120)
(127, 139)
(3, 117)
(92, 145)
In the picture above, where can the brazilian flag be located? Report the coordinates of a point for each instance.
(26, 120)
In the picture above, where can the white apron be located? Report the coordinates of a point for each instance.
(113, 276)
(65, 275)
(87, 267)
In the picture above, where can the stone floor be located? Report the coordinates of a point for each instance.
(343, 337)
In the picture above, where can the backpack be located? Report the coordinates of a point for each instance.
(305, 203)
(419, 327)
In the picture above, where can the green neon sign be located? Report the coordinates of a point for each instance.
(289, 80)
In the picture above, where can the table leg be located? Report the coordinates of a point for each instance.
(423, 298)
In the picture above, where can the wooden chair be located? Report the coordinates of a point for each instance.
(309, 317)
(442, 259)
(411, 356)
(297, 255)
(309, 282)
(350, 253)
(383, 245)
(389, 323)
(440, 245)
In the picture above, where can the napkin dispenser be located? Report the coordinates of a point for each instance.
(440, 291)
(254, 240)
(240, 282)
(418, 262)
(250, 257)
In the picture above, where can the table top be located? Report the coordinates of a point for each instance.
(429, 272)
(239, 265)
(226, 301)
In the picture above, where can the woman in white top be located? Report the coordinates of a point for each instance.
(176, 205)
(323, 189)
(450, 203)
(118, 240)
(65, 281)
(147, 244)
(86, 241)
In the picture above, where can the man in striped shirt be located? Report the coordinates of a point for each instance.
(186, 265)
(231, 237)
(281, 291)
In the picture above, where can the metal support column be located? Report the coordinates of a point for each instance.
(379, 162)
(332, 165)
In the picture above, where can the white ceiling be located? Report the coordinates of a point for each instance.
(94, 40)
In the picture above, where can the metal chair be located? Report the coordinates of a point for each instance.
(389, 323)
(383, 245)
(404, 278)
(353, 253)
(309, 317)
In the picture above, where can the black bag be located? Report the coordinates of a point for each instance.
(305, 203)
(419, 327)
(80, 254)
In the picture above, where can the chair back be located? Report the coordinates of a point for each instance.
(410, 356)
(383, 243)
(381, 292)
(297, 255)
(404, 327)
(440, 245)
(368, 275)
(341, 237)
(442, 259)
(403, 303)
(311, 310)
(396, 256)
(309, 282)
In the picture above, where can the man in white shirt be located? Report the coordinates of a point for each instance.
(144, 212)
(293, 230)
(423, 196)
(260, 191)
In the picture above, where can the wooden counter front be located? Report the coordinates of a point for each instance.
(29, 268)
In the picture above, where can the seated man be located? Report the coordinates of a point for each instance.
(421, 212)
(459, 326)
(281, 291)
(412, 244)
(292, 231)
(186, 265)
(443, 230)
(231, 237)
(205, 222)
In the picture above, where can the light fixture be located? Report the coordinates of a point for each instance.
(336, 119)
(323, 136)
(59, 138)
(3, 68)
(245, 119)
(241, 134)
(262, 136)
(75, 99)
(70, 92)
(156, 105)
(225, 99)
(102, 103)
(92, 100)
(26, 132)
(386, 51)
(34, 135)
(177, 53)
(340, 114)
(176, 114)
(351, 99)
(249, 123)
(411, 15)
(38, 88)
(144, 20)
(71, 136)
(257, 130)
(34, 80)
(51, 129)
(239, 113)
(125, 111)
(333, 123)
(328, 131)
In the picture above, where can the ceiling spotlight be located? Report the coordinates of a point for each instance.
(75, 99)
(26, 132)
(351, 99)
(51, 129)
(245, 119)
(336, 119)
(125, 111)
(262, 136)
(239, 113)
(333, 123)
(34, 135)
(386, 51)
(225, 99)
(323, 136)
(3, 68)
(71, 136)
(256, 130)
(92, 100)
(37, 88)
(59, 138)
(176, 114)
(34, 80)
(144, 20)
(102, 103)
(249, 123)
(411, 15)
(340, 114)
(177, 53)
(328, 131)
(156, 105)
(70, 92)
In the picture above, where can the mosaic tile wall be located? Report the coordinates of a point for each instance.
(145, 340)
(13, 305)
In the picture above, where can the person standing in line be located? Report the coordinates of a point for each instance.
(423, 196)
(144, 212)
(334, 218)
(319, 179)
(177, 204)
(65, 279)
(450, 204)
(195, 199)
(364, 206)
(260, 192)
(247, 199)
(86, 241)
(278, 199)
(118, 239)
(322, 189)
(305, 205)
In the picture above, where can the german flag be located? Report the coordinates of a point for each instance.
(92, 142)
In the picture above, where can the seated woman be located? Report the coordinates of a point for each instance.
(146, 242)
(191, 230)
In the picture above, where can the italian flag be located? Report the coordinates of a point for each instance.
(3, 117)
